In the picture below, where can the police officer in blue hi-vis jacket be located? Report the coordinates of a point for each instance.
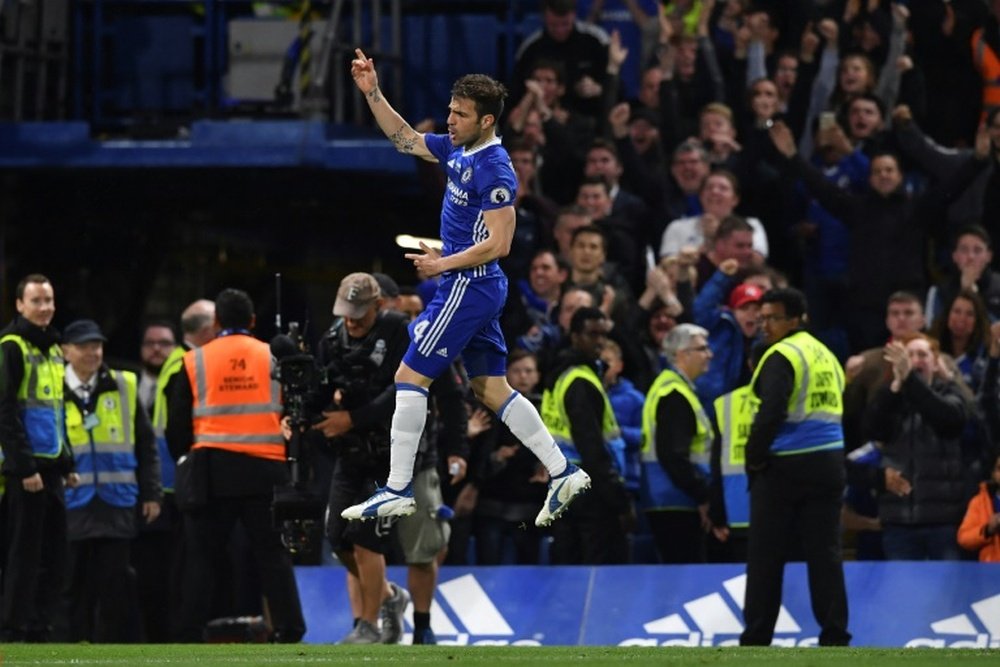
(795, 460)
(36, 461)
(676, 435)
(116, 459)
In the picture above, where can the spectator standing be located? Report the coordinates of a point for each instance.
(528, 317)
(963, 332)
(972, 256)
(581, 47)
(919, 417)
(626, 403)
(732, 329)
(980, 529)
(887, 227)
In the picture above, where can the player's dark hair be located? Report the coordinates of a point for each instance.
(488, 94)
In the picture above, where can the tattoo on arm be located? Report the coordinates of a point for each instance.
(375, 96)
(404, 139)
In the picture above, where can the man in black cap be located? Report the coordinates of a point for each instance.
(112, 441)
(36, 461)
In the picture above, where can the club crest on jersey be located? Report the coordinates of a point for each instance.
(500, 195)
(467, 175)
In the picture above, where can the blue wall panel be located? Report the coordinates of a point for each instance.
(944, 604)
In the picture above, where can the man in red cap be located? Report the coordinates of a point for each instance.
(730, 315)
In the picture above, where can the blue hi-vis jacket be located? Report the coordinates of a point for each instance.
(103, 443)
(40, 397)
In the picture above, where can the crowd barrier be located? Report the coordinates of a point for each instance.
(899, 604)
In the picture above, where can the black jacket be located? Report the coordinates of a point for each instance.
(887, 234)
(920, 427)
(19, 460)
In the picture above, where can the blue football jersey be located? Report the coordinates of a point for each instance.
(478, 180)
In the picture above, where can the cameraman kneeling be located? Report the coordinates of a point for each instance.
(361, 352)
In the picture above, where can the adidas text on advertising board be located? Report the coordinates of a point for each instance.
(471, 617)
(714, 620)
(961, 631)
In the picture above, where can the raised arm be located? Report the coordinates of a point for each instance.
(403, 137)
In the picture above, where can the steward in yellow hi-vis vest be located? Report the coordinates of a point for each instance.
(554, 416)
(36, 461)
(795, 463)
(734, 413)
(659, 491)
(816, 403)
(173, 365)
(676, 434)
(578, 414)
(105, 433)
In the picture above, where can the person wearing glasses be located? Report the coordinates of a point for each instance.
(795, 463)
(158, 342)
(676, 434)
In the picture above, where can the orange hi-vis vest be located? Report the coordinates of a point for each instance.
(237, 405)
(988, 63)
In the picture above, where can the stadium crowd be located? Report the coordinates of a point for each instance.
(849, 148)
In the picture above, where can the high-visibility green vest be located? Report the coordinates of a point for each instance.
(173, 364)
(658, 491)
(40, 397)
(556, 421)
(105, 453)
(816, 404)
(735, 412)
